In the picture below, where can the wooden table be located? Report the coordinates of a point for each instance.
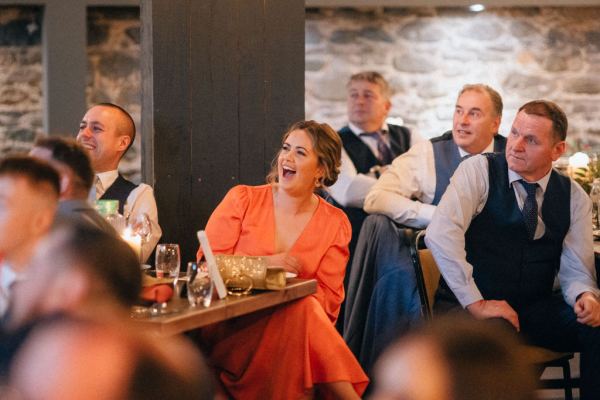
(190, 318)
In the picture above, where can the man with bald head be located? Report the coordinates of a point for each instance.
(29, 191)
(107, 131)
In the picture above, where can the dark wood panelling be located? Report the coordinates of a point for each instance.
(226, 78)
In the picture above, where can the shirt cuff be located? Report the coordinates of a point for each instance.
(578, 289)
(468, 295)
(426, 213)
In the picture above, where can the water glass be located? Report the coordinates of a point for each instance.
(167, 260)
(199, 285)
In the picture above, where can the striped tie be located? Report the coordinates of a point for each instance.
(385, 154)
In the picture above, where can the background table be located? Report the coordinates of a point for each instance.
(190, 318)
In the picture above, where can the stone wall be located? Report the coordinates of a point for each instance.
(20, 77)
(114, 73)
(428, 54)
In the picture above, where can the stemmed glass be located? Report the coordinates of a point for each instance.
(167, 262)
(140, 225)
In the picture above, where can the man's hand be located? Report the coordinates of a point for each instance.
(587, 309)
(484, 309)
(289, 263)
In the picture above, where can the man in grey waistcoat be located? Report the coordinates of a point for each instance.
(382, 300)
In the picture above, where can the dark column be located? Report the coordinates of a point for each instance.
(222, 80)
(65, 65)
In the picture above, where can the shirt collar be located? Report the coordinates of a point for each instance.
(488, 149)
(357, 131)
(8, 276)
(108, 178)
(542, 182)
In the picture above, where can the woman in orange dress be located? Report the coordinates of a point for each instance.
(292, 351)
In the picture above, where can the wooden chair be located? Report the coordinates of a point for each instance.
(428, 277)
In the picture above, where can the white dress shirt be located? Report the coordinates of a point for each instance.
(405, 191)
(140, 200)
(351, 187)
(7, 278)
(465, 198)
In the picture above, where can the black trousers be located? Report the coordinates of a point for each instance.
(552, 323)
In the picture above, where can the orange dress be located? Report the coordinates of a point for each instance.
(280, 353)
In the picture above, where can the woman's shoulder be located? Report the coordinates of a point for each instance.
(249, 194)
(333, 214)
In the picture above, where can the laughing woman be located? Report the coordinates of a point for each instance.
(292, 351)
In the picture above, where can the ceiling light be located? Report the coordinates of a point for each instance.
(476, 7)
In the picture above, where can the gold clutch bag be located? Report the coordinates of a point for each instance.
(263, 277)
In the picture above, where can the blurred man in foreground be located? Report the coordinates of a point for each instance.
(454, 359)
(29, 191)
(67, 333)
(76, 178)
(72, 360)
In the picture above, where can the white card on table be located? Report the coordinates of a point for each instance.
(211, 262)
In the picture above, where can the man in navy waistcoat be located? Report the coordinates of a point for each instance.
(506, 226)
(107, 131)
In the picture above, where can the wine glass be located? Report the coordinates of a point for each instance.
(167, 262)
(140, 225)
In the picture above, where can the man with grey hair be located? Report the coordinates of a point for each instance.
(407, 193)
(369, 146)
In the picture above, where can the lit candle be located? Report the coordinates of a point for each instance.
(576, 161)
(135, 241)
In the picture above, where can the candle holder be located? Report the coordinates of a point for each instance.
(133, 240)
(586, 173)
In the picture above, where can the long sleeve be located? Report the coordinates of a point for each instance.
(405, 191)
(224, 226)
(463, 200)
(351, 187)
(141, 200)
(577, 273)
(330, 273)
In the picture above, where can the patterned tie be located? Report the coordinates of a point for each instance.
(530, 208)
(385, 154)
(97, 189)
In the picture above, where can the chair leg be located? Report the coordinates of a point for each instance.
(567, 379)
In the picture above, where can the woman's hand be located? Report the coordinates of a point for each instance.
(285, 260)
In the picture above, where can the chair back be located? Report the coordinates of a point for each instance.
(426, 271)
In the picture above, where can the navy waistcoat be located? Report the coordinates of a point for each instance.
(361, 155)
(119, 190)
(507, 265)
